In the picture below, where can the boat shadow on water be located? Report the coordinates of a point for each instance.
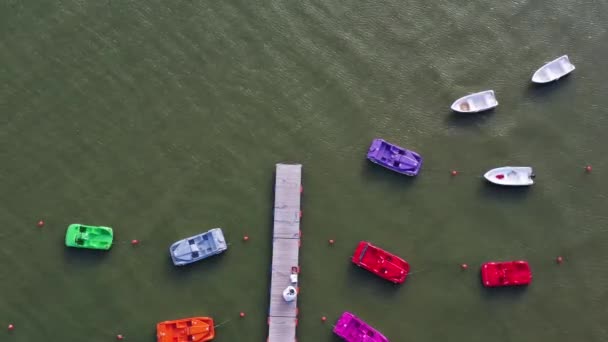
(367, 280)
(335, 338)
(463, 120)
(501, 294)
(391, 178)
(82, 257)
(542, 90)
(197, 269)
(503, 193)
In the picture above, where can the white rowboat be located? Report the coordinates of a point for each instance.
(511, 176)
(553, 70)
(474, 103)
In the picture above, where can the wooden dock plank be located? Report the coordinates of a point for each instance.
(282, 329)
(286, 223)
(282, 315)
(284, 257)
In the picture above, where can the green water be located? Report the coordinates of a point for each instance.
(165, 119)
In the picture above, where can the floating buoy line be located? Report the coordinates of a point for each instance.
(463, 266)
(479, 174)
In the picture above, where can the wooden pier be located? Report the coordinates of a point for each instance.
(282, 315)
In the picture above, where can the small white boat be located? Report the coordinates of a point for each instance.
(553, 70)
(511, 176)
(474, 103)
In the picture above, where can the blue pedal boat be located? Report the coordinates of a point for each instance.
(394, 157)
(198, 247)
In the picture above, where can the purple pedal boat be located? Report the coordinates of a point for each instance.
(394, 157)
(352, 329)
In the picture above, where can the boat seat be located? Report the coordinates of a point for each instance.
(396, 151)
(198, 329)
(194, 248)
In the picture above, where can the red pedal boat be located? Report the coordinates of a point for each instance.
(506, 273)
(197, 329)
(380, 262)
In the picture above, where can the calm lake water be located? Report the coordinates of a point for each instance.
(163, 119)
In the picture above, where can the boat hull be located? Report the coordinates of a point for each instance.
(194, 329)
(89, 237)
(353, 329)
(475, 103)
(511, 176)
(506, 273)
(553, 70)
(198, 247)
(380, 262)
(394, 158)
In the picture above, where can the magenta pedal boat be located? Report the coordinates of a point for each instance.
(353, 329)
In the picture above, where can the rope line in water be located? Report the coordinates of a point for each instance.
(419, 271)
(224, 322)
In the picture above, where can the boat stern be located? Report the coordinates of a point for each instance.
(488, 274)
(374, 149)
(219, 239)
(404, 272)
(71, 234)
(359, 252)
(341, 327)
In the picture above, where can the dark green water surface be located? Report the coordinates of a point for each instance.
(163, 119)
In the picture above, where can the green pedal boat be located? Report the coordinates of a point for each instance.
(91, 237)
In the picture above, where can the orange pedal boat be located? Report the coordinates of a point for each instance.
(197, 329)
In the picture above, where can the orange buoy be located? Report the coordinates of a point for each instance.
(464, 266)
(331, 241)
(454, 172)
(40, 224)
(588, 168)
(245, 238)
(559, 259)
(119, 337)
(134, 242)
(242, 314)
(11, 327)
(323, 318)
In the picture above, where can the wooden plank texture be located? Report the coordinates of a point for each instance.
(282, 315)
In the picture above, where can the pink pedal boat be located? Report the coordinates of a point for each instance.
(353, 329)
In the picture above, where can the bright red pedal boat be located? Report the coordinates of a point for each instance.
(506, 273)
(380, 262)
